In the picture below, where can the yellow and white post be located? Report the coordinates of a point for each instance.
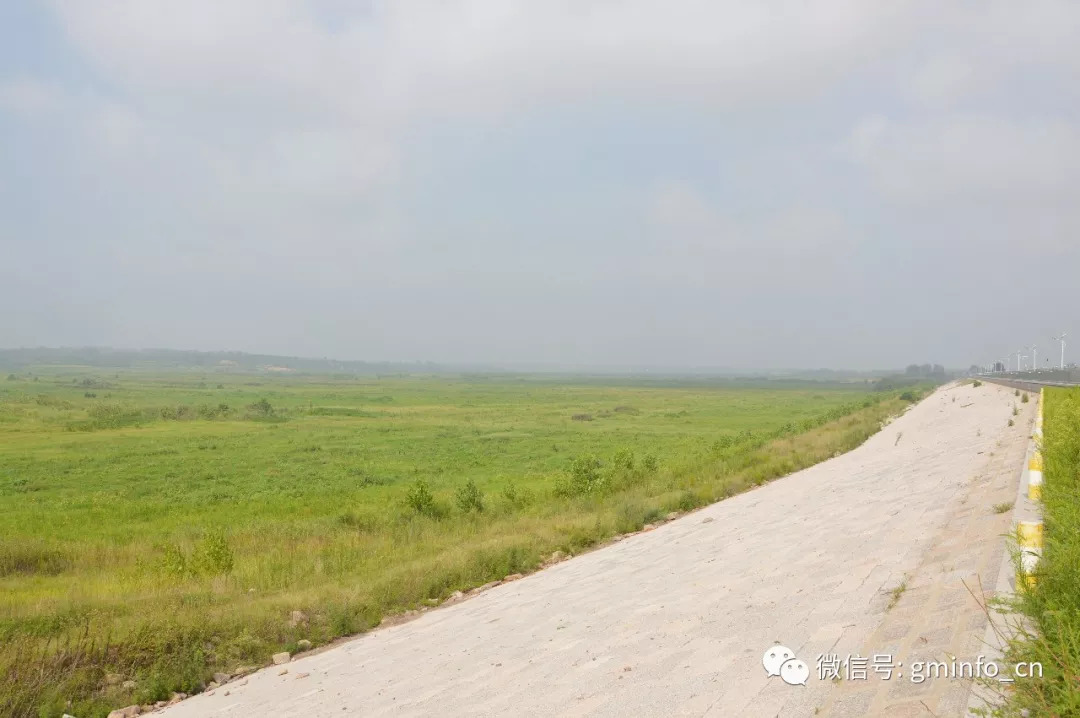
(1029, 533)
(1035, 475)
(1035, 463)
(1030, 537)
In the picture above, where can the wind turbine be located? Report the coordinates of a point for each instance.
(1062, 340)
(1018, 359)
(1034, 360)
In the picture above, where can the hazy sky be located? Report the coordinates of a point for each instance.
(771, 183)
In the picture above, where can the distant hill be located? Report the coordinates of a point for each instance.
(13, 360)
(106, 358)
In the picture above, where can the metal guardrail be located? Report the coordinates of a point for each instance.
(1034, 380)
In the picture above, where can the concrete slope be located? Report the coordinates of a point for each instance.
(675, 621)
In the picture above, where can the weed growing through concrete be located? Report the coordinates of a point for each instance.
(896, 594)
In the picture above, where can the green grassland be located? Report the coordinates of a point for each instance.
(161, 527)
(1050, 633)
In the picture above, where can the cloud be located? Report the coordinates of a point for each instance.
(476, 53)
(572, 173)
(29, 98)
(799, 245)
(971, 159)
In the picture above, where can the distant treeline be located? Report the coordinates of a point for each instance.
(914, 375)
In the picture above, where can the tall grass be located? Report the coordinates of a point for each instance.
(1051, 636)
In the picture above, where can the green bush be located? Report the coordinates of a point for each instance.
(214, 555)
(1024, 398)
(517, 497)
(261, 407)
(420, 499)
(211, 557)
(723, 442)
(109, 415)
(623, 460)
(649, 464)
(469, 497)
(976, 383)
(586, 477)
(909, 396)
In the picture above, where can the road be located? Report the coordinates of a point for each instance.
(674, 621)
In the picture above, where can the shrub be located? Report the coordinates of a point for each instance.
(181, 412)
(517, 497)
(623, 460)
(1024, 398)
(261, 408)
(585, 477)
(420, 499)
(976, 383)
(649, 463)
(909, 396)
(582, 417)
(206, 411)
(630, 517)
(109, 416)
(725, 441)
(688, 501)
(469, 497)
(175, 561)
(214, 554)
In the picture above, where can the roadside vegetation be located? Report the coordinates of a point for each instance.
(156, 529)
(1050, 635)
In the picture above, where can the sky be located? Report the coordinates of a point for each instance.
(743, 184)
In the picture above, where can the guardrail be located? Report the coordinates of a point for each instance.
(1033, 381)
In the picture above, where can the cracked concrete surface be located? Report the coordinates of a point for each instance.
(674, 621)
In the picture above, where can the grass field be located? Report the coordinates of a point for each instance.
(161, 527)
(1051, 633)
